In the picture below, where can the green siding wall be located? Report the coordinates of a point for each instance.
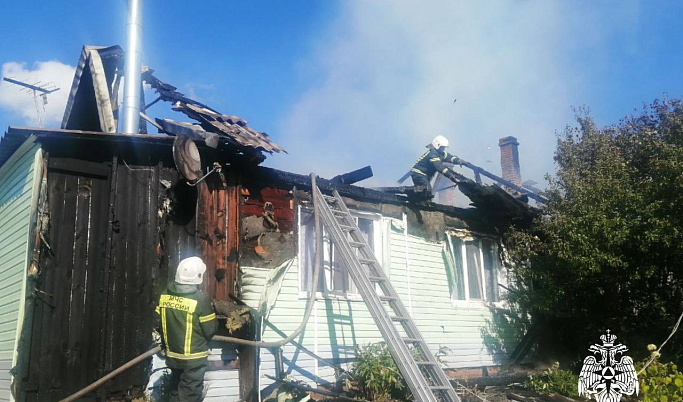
(338, 326)
(16, 192)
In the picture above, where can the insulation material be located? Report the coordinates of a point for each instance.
(275, 248)
(267, 231)
(237, 316)
(271, 289)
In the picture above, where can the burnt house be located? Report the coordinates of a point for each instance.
(94, 223)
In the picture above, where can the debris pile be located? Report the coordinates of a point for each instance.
(237, 316)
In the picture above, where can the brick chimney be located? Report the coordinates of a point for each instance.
(509, 160)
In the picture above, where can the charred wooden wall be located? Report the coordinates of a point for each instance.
(217, 233)
(120, 219)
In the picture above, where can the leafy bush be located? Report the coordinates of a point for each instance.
(661, 382)
(609, 240)
(554, 379)
(377, 375)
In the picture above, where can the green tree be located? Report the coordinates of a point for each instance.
(606, 252)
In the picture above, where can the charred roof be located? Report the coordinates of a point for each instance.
(496, 206)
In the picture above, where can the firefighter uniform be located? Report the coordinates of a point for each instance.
(188, 323)
(428, 164)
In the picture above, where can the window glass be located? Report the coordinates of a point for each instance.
(490, 251)
(335, 278)
(307, 251)
(459, 282)
(339, 277)
(365, 225)
(474, 269)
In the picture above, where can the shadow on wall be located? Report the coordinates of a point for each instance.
(16, 182)
(341, 330)
(504, 331)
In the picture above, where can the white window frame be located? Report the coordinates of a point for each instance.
(352, 294)
(483, 288)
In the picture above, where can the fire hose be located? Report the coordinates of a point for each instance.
(228, 339)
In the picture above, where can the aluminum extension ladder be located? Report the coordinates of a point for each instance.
(426, 380)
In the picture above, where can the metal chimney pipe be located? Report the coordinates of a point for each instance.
(132, 85)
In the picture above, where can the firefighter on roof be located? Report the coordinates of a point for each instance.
(188, 322)
(432, 161)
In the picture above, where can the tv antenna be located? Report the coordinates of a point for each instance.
(38, 90)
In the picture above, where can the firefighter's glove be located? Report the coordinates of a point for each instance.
(158, 341)
(457, 161)
(452, 176)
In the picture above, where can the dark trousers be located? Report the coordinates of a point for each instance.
(187, 385)
(422, 185)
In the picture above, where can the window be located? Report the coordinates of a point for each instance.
(475, 269)
(335, 278)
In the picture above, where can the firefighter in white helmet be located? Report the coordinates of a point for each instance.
(188, 322)
(430, 162)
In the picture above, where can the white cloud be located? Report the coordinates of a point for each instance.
(391, 72)
(21, 103)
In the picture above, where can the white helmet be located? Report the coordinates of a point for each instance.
(190, 271)
(440, 141)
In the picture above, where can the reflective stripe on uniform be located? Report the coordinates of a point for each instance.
(188, 334)
(178, 315)
(187, 356)
(422, 156)
(444, 170)
(418, 171)
(163, 326)
(206, 318)
(435, 159)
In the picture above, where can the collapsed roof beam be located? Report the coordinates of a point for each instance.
(353, 177)
(529, 193)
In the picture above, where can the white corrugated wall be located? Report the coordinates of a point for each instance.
(18, 191)
(338, 326)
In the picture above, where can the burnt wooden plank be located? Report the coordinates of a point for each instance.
(233, 230)
(153, 256)
(353, 177)
(95, 301)
(126, 272)
(179, 234)
(205, 235)
(39, 364)
(78, 166)
(135, 249)
(168, 238)
(278, 203)
(38, 345)
(76, 323)
(56, 340)
(156, 256)
(117, 325)
(140, 328)
(104, 353)
(223, 272)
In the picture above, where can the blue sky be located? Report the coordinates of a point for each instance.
(344, 84)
